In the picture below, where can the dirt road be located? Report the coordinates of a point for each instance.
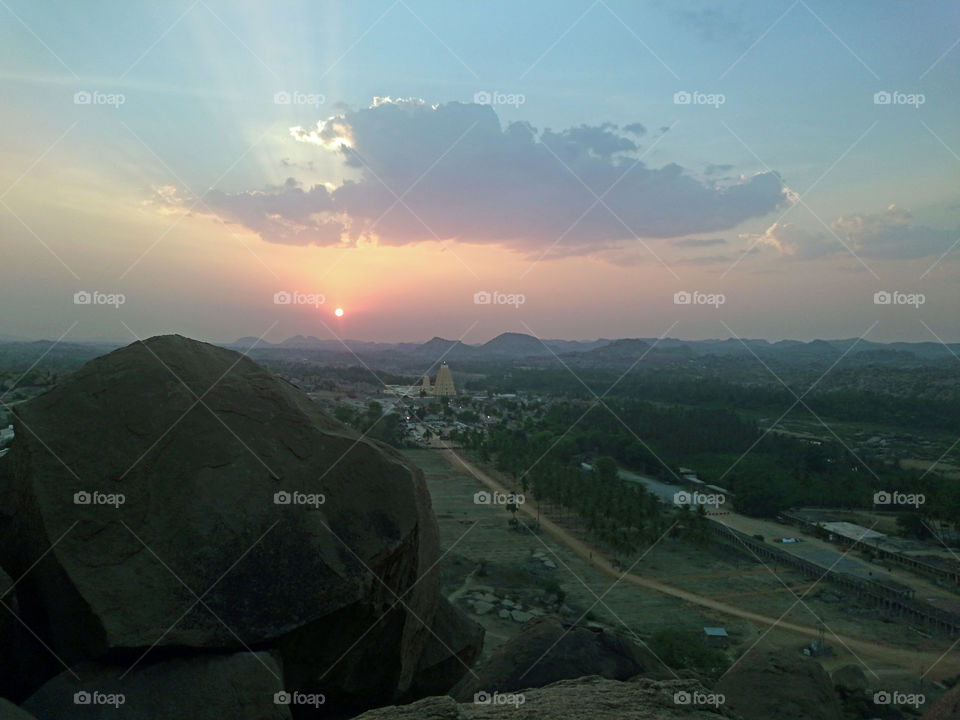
(943, 665)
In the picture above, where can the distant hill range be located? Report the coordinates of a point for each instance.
(520, 349)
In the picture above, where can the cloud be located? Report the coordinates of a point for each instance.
(888, 235)
(714, 21)
(712, 169)
(709, 259)
(697, 242)
(418, 172)
(892, 234)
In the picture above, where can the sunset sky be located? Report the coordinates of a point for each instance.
(395, 158)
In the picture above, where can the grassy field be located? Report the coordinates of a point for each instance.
(485, 555)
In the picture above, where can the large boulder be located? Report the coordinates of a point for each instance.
(850, 681)
(9, 711)
(23, 658)
(240, 686)
(946, 707)
(453, 648)
(547, 650)
(588, 698)
(169, 494)
(775, 684)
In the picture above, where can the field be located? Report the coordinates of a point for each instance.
(484, 555)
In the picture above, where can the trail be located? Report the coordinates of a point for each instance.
(944, 665)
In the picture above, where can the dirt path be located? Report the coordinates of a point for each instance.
(943, 665)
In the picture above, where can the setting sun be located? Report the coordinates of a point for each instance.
(338, 312)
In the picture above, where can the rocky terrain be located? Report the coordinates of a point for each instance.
(172, 506)
(765, 685)
(185, 535)
(588, 698)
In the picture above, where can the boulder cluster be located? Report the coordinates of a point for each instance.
(184, 534)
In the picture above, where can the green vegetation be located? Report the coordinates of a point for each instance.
(374, 424)
(687, 650)
(766, 472)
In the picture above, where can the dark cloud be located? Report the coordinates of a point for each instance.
(461, 175)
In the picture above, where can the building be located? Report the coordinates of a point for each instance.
(427, 390)
(443, 386)
(716, 636)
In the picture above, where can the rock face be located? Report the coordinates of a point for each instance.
(9, 711)
(850, 680)
(779, 685)
(241, 686)
(946, 707)
(178, 497)
(545, 651)
(588, 698)
(439, 670)
(23, 658)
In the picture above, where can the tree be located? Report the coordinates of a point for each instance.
(606, 468)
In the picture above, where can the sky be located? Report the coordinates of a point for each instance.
(775, 169)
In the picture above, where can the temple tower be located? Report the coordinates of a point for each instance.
(443, 386)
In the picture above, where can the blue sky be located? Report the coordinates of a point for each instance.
(94, 189)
